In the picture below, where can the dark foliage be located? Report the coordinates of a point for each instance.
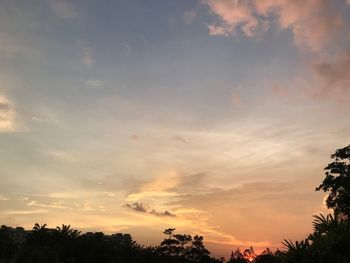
(330, 240)
(66, 245)
(337, 182)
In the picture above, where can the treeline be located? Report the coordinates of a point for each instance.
(330, 242)
(67, 245)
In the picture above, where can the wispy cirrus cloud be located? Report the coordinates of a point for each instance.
(59, 205)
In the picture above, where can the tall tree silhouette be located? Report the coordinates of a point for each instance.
(182, 250)
(198, 251)
(169, 244)
(337, 182)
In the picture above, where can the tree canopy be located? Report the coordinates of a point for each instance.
(337, 182)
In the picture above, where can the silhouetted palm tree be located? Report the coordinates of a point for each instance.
(66, 231)
(40, 228)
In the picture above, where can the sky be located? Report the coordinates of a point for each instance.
(215, 117)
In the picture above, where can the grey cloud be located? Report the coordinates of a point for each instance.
(142, 208)
(165, 213)
(139, 207)
(180, 139)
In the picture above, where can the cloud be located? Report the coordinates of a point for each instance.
(178, 138)
(233, 15)
(334, 77)
(165, 213)
(87, 207)
(139, 207)
(318, 27)
(142, 208)
(7, 115)
(215, 30)
(58, 205)
(63, 10)
(43, 119)
(313, 25)
(167, 181)
(336, 72)
(170, 185)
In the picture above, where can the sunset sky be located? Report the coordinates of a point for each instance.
(214, 117)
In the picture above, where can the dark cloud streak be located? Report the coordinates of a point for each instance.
(142, 208)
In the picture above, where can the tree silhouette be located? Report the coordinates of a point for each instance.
(267, 256)
(197, 250)
(66, 231)
(8, 248)
(337, 182)
(183, 240)
(40, 228)
(237, 257)
(249, 254)
(169, 244)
